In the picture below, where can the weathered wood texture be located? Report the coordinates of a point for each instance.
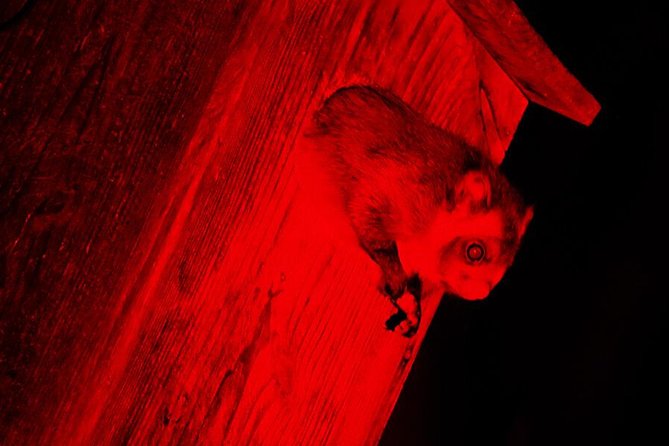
(164, 278)
(507, 35)
(10, 10)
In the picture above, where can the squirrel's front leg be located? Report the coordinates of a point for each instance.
(404, 292)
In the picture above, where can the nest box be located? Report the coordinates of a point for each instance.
(167, 283)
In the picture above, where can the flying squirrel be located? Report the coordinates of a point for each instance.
(424, 205)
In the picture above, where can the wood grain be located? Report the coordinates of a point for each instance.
(523, 55)
(164, 276)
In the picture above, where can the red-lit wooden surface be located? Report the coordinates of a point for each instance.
(164, 279)
(523, 55)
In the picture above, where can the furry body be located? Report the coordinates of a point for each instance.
(420, 200)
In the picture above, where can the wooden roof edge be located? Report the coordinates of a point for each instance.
(520, 51)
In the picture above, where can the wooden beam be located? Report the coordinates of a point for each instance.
(164, 278)
(510, 39)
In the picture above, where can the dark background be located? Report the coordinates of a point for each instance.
(569, 348)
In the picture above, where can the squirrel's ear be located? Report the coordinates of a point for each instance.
(473, 190)
(526, 219)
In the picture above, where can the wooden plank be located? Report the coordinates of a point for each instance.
(500, 104)
(97, 103)
(507, 35)
(165, 278)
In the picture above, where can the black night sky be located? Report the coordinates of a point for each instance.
(569, 349)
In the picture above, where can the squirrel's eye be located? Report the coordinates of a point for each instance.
(475, 252)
